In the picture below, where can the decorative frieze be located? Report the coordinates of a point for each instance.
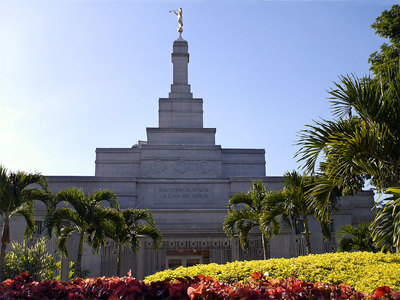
(181, 166)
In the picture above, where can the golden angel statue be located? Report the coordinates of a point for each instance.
(178, 12)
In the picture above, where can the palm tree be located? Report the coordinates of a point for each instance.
(355, 238)
(301, 198)
(322, 198)
(386, 229)
(17, 193)
(136, 224)
(296, 203)
(362, 142)
(250, 210)
(364, 139)
(87, 217)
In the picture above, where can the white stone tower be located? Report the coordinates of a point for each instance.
(180, 115)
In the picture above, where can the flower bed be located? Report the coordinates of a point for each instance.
(362, 270)
(200, 287)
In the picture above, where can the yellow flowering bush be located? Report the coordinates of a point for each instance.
(364, 271)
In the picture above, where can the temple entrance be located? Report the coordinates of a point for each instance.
(174, 262)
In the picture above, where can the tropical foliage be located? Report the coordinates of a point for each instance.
(248, 211)
(94, 217)
(17, 194)
(362, 270)
(87, 216)
(386, 26)
(34, 259)
(365, 144)
(294, 204)
(387, 223)
(300, 201)
(363, 141)
(137, 223)
(358, 238)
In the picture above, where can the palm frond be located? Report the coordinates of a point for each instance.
(239, 199)
(135, 223)
(386, 226)
(270, 225)
(5, 195)
(110, 215)
(55, 219)
(313, 142)
(233, 221)
(26, 210)
(105, 195)
(355, 238)
(74, 197)
(37, 195)
(63, 237)
(151, 232)
(243, 229)
(365, 150)
(132, 216)
(319, 199)
(351, 93)
(26, 180)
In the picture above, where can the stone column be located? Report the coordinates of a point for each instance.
(140, 258)
(180, 60)
(64, 272)
(235, 249)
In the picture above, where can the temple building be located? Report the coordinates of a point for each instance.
(185, 179)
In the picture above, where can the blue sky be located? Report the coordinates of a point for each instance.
(76, 75)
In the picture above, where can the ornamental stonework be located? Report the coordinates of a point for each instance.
(181, 166)
(158, 166)
(203, 166)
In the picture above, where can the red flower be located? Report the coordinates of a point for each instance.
(381, 291)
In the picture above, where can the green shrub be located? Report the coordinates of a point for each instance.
(33, 259)
(363, 270)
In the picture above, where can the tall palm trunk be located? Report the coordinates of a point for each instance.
(265, 245)
(307, 235)
(5, 239)
(78, 270)
(119, 261)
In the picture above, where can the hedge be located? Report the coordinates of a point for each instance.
(362, 270)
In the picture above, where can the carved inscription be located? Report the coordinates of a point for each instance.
(183, 193)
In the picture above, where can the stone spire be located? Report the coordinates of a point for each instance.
(180, 109)
(180, 89)
(180, 116)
